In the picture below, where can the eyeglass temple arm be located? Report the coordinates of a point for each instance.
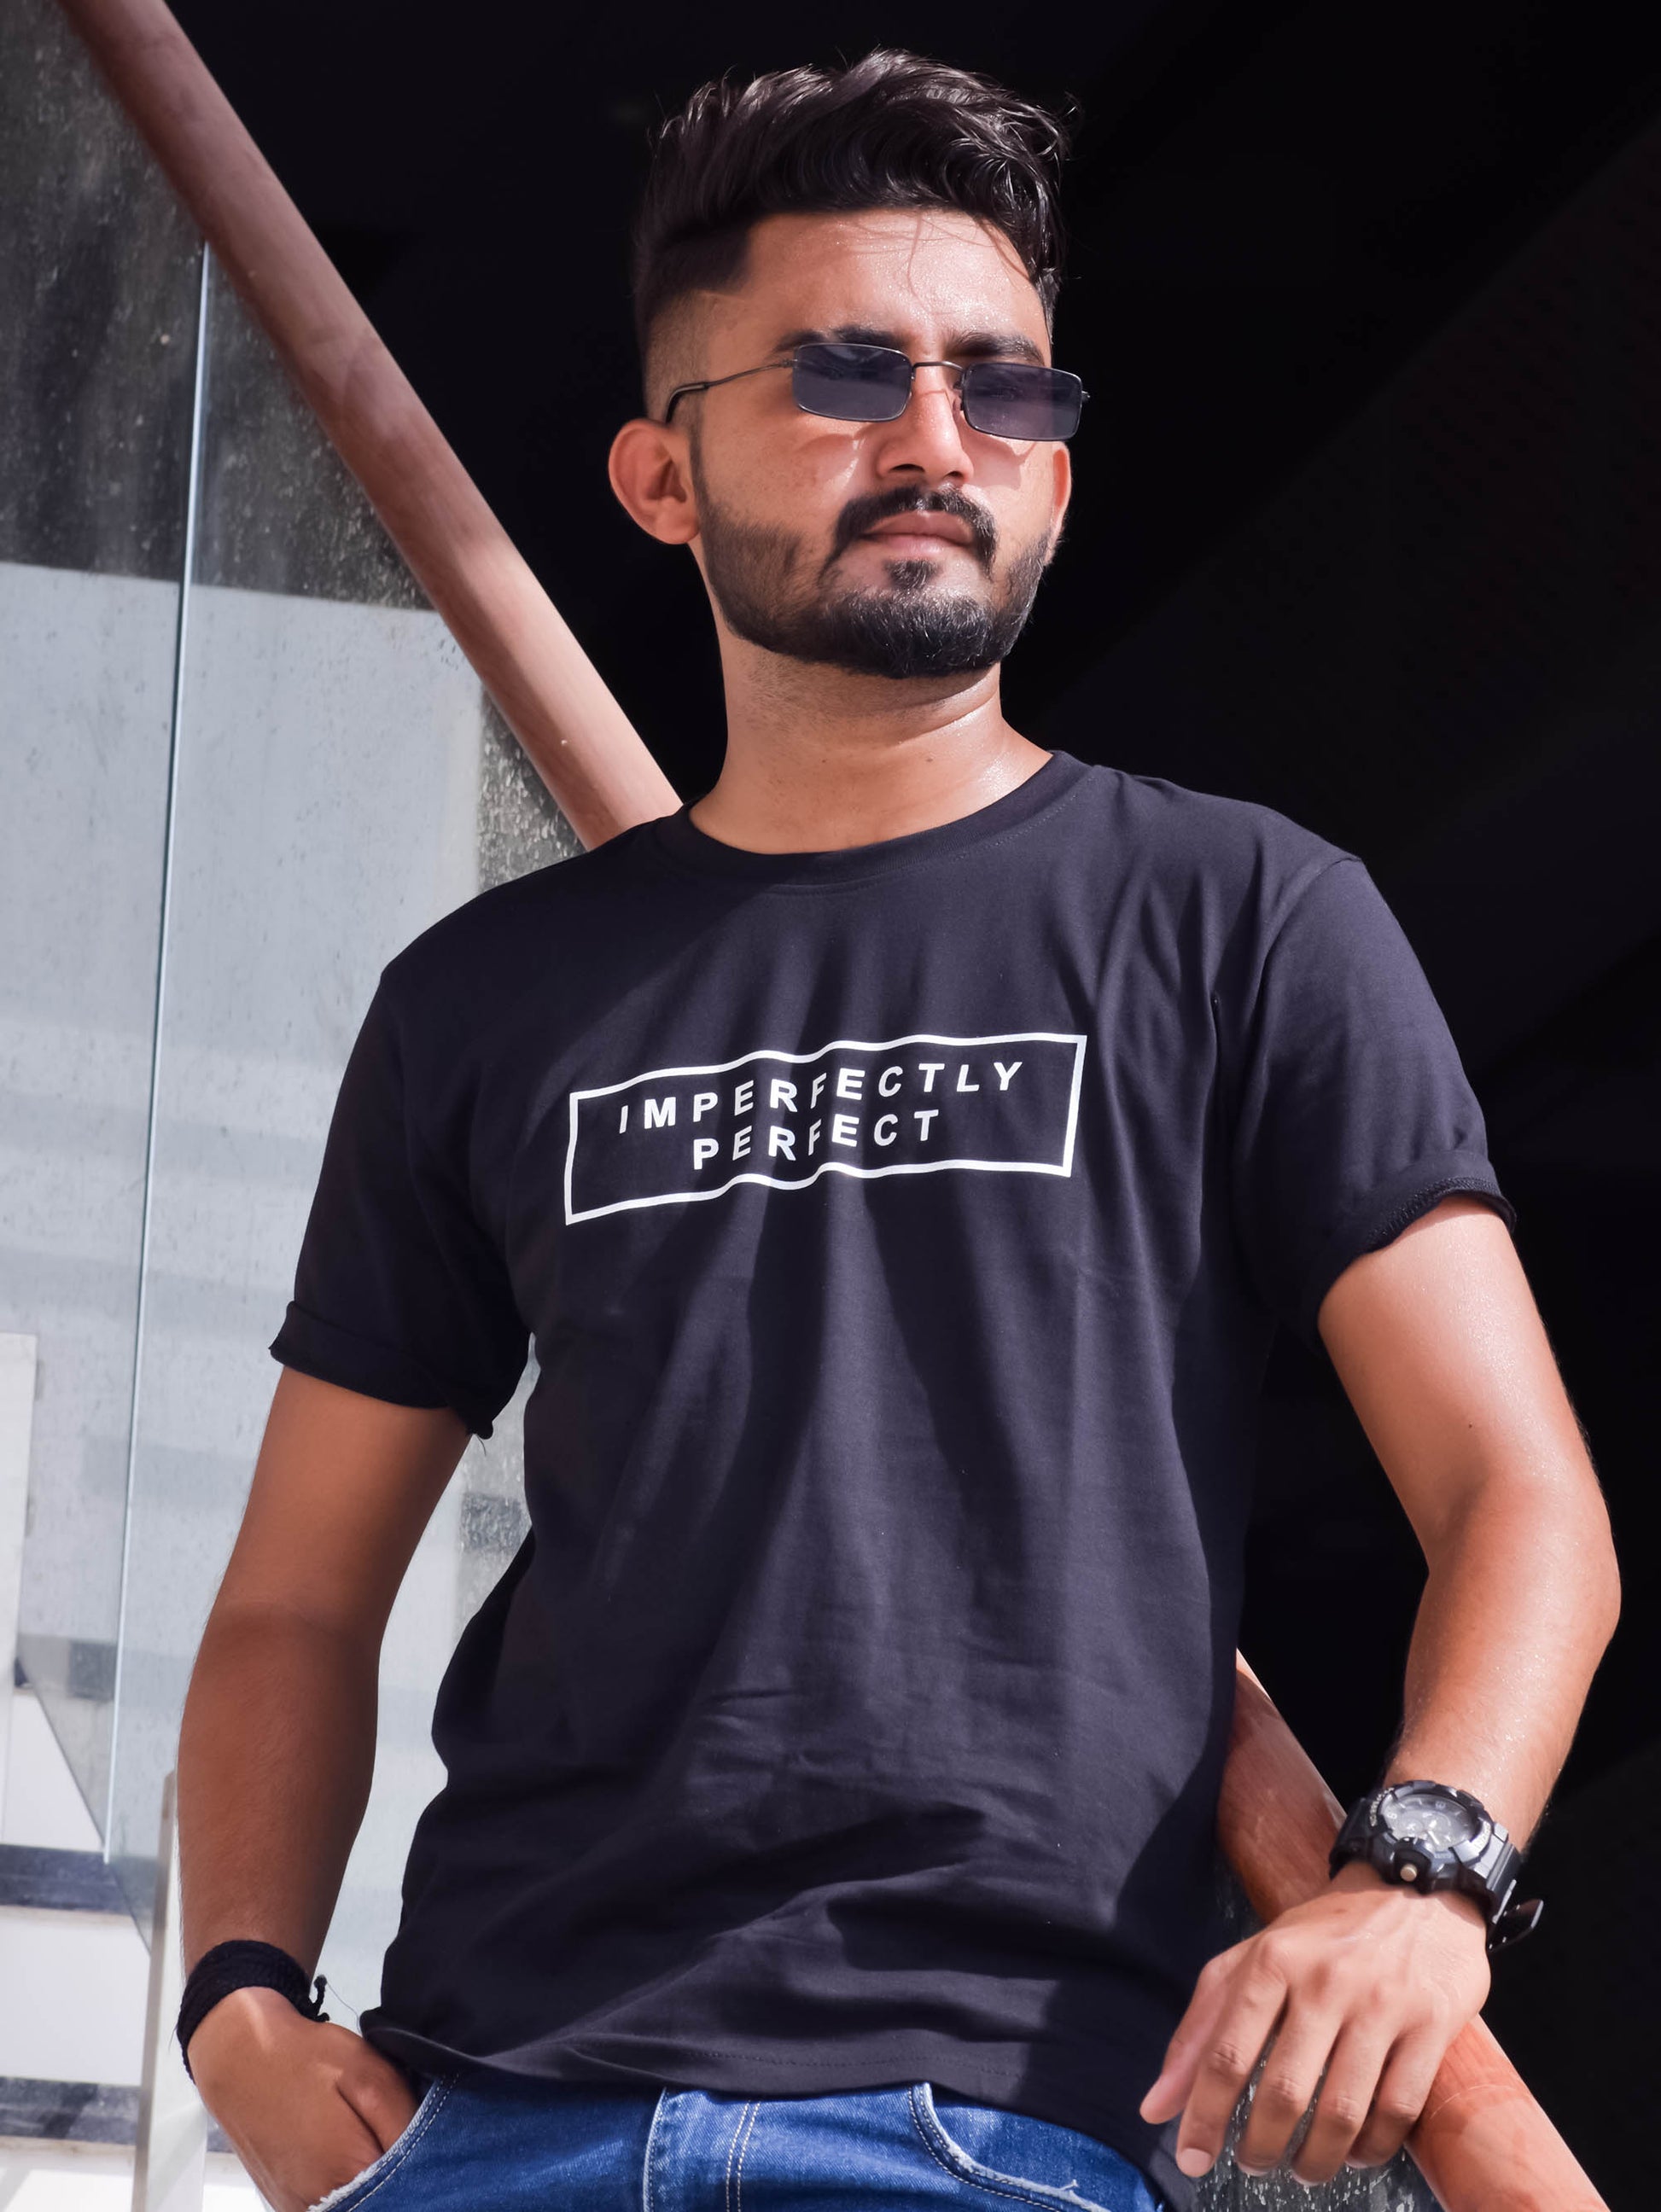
(710, 382)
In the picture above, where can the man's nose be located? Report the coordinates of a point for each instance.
(929, 435)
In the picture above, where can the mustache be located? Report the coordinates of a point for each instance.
(864, 513)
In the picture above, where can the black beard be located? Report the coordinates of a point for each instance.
(907, 629)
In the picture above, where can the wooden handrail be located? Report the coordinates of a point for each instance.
(1483, 2143)
(552, 696)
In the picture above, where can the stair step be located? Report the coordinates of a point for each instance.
(58, 1881)
(76, 2111)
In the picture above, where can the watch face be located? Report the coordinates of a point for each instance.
(1430, 1817)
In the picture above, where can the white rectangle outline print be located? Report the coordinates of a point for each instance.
(830, 1167)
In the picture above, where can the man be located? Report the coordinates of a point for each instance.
(900, 1159)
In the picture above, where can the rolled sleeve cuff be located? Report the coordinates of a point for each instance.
(330, 1354)
(1386, 1211)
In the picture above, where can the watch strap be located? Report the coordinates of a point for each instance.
(1516, 1922)
(1354, 1838)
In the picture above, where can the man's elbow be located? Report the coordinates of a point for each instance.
(1555, 1517)
(1607, 1579)
(1589, 1537)
(1571, 1524)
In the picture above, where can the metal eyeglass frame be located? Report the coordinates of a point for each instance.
(710, 383)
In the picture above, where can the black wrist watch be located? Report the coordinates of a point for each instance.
(1424, 1834)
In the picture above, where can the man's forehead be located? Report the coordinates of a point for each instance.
(889, 273)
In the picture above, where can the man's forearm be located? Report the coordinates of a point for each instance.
(1442, 1352)
(275, 1757)
(1357, 1993)
(274, 1761)
(1522, 1599)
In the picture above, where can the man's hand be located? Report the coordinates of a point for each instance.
(307, 2106)
(1366, 1985)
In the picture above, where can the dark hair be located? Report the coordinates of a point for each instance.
(890, 131)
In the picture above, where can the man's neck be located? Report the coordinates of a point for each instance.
(817, 762)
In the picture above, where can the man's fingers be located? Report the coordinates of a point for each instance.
(1169, 2093)
(1291, 2075)
(1353, 2074)
(1403, 2088)
(380, 2097)
(1225, 2061)
(1362, 1990)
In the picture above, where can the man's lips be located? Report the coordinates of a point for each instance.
(950, 527)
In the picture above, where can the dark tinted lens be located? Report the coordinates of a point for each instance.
(1012, 400)
(851, 383)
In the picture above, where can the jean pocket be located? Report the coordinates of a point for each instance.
(1033, 2161)
(380, 2170)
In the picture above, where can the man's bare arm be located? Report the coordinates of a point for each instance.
(1445, 1359)
(1438, 1344)
(274, 1761)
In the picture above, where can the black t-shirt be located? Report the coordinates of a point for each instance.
(901, 1231)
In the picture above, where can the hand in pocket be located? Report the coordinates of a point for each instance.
(307, 2106)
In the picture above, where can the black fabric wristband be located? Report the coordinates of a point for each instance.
(242, 1964)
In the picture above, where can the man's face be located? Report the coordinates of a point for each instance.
(905, 549)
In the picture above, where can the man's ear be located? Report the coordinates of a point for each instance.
(649, 473)
(1061, 492)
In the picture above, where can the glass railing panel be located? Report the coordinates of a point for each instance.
(324, 812)
(339, 786)
(98, 289)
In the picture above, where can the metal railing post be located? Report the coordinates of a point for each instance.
(17, 1370)
(170, 2159)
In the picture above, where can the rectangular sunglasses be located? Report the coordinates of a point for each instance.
(872, 384)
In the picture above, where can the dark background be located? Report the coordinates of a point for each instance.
(1368, 529)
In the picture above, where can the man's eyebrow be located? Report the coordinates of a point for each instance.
(995, 345)
(966, 345)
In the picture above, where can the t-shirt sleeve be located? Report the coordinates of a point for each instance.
(1354, 1115)
(399, 1292)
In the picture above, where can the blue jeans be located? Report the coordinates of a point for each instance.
(495, 2144)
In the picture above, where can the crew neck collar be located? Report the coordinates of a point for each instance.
(679, 841)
